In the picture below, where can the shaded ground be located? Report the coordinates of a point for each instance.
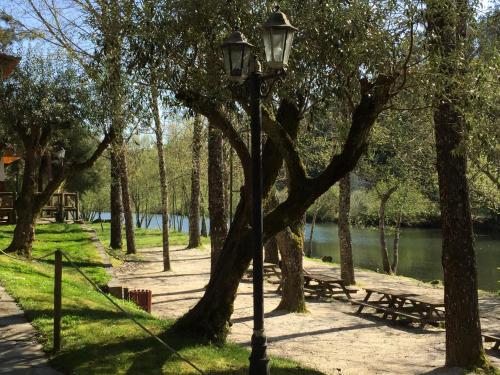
(20, 353)
(330, 338)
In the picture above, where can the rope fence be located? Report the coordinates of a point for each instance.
(59, 254)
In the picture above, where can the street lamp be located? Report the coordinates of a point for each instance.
(278, 37)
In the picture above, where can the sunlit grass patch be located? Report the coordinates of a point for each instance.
(96, 338)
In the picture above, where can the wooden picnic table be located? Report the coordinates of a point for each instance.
(396, 303)
(494, 338)
(316, 284)
(321, 285)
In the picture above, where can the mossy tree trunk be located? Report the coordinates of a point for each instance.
(24, 232)
(291, 244)
(344, 230)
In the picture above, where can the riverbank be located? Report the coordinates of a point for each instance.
(419, 249)
(329, 338)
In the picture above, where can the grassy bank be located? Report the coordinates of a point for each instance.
(145, 238)
(96, 338)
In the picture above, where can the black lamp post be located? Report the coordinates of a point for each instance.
(241, 66)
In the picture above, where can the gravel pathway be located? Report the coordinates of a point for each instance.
(330, 337)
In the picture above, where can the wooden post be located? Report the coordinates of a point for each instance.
(77, 206)
(57, 300)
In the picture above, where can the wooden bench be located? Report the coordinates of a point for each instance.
(396, 303)
(491, 338)
(388, 311)
(320, 285)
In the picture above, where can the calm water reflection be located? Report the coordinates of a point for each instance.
(419, 251)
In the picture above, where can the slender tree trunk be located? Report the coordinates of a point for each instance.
(381, 225)
(194, 208)
(271, 251)
(291, 243)
(346, 261)
(395, 245)
(311, 234)
(127, 209)
(174, 206)
(447, 22)
(216, 199)
(115, 202)
(204, 230)
(163, 173)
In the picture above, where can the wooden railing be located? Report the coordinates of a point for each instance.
(60, 204)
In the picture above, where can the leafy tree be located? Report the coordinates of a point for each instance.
(43, 104)
(447, 25)
(370, 60)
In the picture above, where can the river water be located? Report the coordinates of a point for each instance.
(419, 251)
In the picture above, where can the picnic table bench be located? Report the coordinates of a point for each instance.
(493, 338)
(316, 284)
(396, 303)
(321, 285)
(269, 270)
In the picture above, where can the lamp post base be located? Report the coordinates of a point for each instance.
(259, 363)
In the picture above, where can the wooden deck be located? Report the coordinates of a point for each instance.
(60, 204)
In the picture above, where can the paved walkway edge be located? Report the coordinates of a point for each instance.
(20, 353)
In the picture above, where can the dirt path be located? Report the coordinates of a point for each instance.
(330, 338)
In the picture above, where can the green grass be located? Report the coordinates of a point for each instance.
(145, 238)
(96, 338)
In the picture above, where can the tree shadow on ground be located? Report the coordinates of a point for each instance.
(401, 325)
(446, 371)
(147, 356)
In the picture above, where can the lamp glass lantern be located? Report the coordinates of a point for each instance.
(237, 52)
(278, 38)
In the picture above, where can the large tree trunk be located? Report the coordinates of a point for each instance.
(209, 318)
(346, 261)
(447, 22)
(115, 202)
(216, 199)
(381, 225)
(162, 171)
(291, 244)
(194, 207)
(24, 232)
(127, 209)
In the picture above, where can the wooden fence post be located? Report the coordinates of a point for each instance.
(57, 300)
